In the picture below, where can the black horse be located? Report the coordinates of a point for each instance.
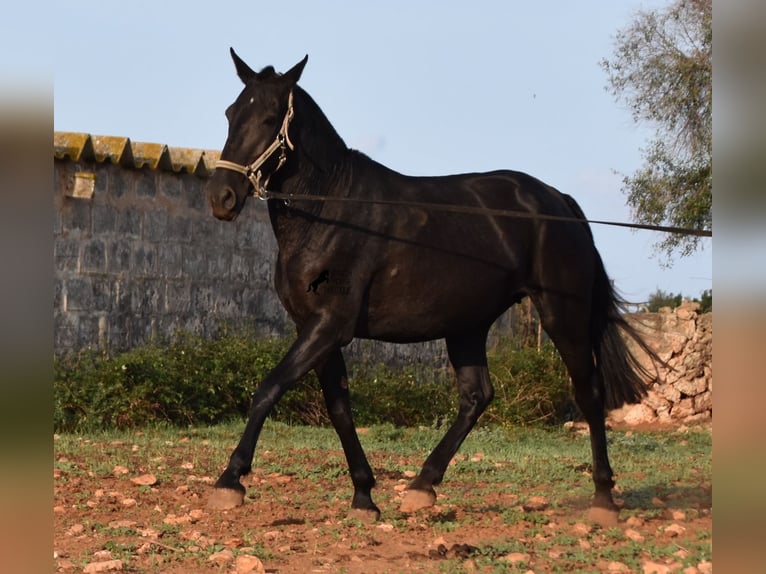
(412, 274)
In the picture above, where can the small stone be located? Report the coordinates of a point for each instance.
(705, 567)
(409, 474)
(120, 470)
(650, 567)
(196, 514)
(248, 565)
(386, 526)
(582, 529)
(535, 504)
(122, 524)
(515, 557)
(617, 567)
(103, 555)
(75, 530)
(634, 535)
(104, 566)
(144, 480)
(678, 515)
(128, 502)
(223, 557)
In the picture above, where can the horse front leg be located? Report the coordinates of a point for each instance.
(468, 357)
(312, 347)
(334, 380)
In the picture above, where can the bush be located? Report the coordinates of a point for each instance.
(192, 381)
(531, 386)
(195, 381)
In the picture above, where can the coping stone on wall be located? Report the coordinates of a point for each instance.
(121, 151)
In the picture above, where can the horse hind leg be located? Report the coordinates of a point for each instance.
(468, 357)
(334, 381)
(566, 320)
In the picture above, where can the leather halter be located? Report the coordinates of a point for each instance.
(252, 171)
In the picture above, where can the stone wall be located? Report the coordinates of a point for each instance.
(683, 392)
(142, 257)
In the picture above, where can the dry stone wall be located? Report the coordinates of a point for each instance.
(683, 390)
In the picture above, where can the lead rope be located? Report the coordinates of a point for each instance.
(282, 142)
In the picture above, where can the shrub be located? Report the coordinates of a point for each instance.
(192, 381)
(531, 386)
(195, 381)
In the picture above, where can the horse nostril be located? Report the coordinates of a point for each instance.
(229, 199)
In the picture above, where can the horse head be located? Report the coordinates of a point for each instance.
(258, 141)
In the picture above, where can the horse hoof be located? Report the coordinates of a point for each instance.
(414, 500)
(604, 517)
(366, 515)
(225, 499)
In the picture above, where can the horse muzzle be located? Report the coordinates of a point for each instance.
(224, 201)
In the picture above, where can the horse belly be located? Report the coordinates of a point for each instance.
(424, 304)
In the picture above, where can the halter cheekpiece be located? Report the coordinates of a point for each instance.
(253, 171)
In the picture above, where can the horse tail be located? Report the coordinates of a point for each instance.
(625, 379)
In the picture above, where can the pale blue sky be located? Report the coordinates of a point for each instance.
(426, 88)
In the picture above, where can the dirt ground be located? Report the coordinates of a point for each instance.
(150, 515)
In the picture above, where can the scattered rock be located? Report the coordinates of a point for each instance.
(120, 470)
(535, 504)
(515, 557)
(634, 535)
(173, 519)
(650, 567)
(122, 524)
(617, 567)
(249, 565)
(678, 515)
(223, 557)
(104, 566)
(75, 530)
(144, 480)
(634, 522)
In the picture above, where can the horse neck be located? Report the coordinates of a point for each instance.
(320, 165)
(321, 153)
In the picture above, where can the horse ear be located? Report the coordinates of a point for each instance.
(244, 71)
(294, 74)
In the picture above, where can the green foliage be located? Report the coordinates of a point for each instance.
(661, 298)
(662, 68)
(194, 381)
(531, 386)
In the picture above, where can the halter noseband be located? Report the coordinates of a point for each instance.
(253, 171)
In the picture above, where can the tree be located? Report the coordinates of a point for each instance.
(660, 299)
(662, 68)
